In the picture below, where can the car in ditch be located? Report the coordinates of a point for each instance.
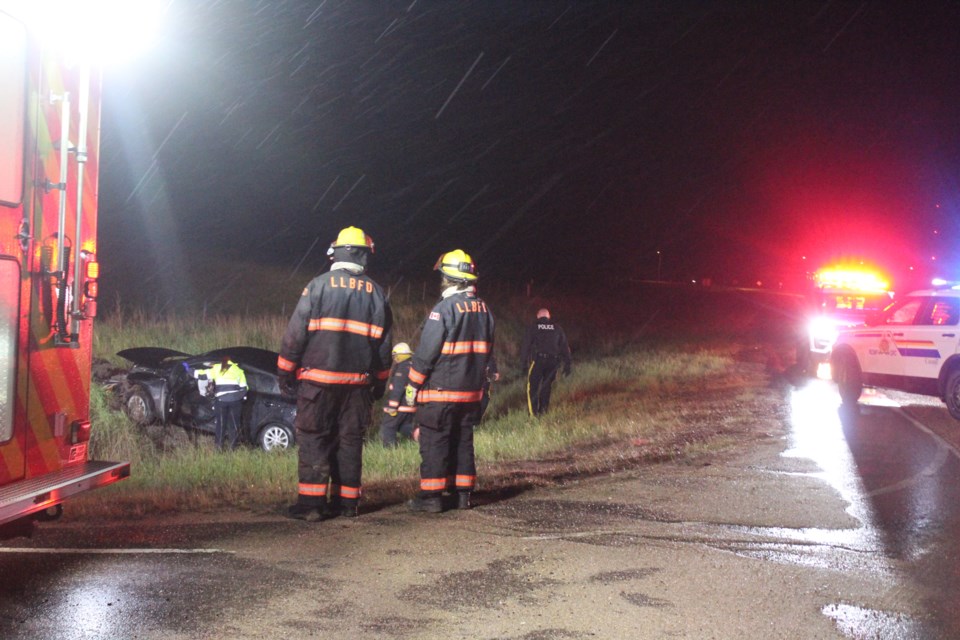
(913, 345)
(161, 388)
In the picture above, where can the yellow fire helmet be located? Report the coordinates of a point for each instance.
(352, 237)
(402, 349)
(457, 266)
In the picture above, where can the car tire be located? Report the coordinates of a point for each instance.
(138, 405)
(276, 436)
(848, 376)
(951, 393)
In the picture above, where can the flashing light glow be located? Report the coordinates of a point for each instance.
(91, 30)
(853, 279)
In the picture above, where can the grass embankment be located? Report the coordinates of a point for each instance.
(622, 391)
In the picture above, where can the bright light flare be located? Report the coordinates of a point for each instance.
(824, 331)
(99, 31)
(852, 279)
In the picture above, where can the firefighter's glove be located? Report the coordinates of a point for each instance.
(410, 396)
(288, 384)
(392, 413)
(379, 388)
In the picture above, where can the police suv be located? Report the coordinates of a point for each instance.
(912, 345)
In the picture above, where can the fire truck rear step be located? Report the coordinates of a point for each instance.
(43, 492)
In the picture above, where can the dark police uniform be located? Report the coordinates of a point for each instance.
(543, 350)
(448, 372)
(338, 345)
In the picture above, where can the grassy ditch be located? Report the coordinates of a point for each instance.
(629, 396)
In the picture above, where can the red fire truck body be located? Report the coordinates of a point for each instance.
(49, 152)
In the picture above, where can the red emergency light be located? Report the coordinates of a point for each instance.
(864, 280)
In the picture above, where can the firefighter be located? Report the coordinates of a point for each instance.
(399, 417)
(446, 384)
(543, 351)
(335, 357)
(228, 384)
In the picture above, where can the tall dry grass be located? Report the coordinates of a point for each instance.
(624, 375)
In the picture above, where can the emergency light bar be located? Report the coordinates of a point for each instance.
(851, 279)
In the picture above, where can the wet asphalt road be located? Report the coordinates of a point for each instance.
(825, 523)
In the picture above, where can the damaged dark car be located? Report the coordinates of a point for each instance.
(161, 389)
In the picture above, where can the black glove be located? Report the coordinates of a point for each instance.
(288, 384)
(378, 389)
(566, 370)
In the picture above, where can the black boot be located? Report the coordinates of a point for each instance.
(433, 504)
(463, 500)
(348, 507)
(308, 512)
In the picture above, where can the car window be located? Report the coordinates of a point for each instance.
(942, 311)
(906, 312)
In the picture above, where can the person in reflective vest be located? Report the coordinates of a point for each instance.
(543, 351)
(227, 383)
(335, 357)
(399, 417)
(446, 385)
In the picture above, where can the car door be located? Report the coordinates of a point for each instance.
(878, 346)
(931, 339)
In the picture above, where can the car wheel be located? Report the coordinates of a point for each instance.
(848, 376)
(138, 406)
(951, 394)
(275, 437)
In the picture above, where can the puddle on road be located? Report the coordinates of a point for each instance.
(862, 624)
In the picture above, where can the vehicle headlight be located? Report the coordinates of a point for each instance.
(823, 331)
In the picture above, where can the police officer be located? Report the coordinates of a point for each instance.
(543, 351)
(446, 384)
(337, 345)
(229, 385)
(399, 417)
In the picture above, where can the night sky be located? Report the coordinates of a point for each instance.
(554, 141)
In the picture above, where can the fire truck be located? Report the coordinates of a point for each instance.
(49, 159)
(843, 297)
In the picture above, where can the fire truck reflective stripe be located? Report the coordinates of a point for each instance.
(433, 484)
(457, 348)
(285, 365)
(917, 349)
(332, 377)
(350, 493)
(306, 489)
(466, 482)
(431, 395)
(349, 326)
(416, 377)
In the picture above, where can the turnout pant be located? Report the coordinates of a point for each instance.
(540, 377)
(330, 425)
(392, 425)
(227, 422)
(446, 446)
